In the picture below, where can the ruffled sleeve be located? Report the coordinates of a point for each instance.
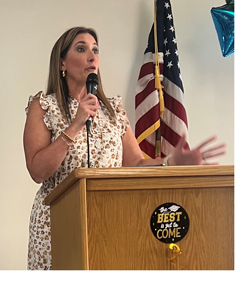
(121, 115)
(46, 103)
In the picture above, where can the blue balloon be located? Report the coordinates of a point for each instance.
(223, 18)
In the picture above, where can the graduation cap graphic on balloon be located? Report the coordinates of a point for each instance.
(223, 18)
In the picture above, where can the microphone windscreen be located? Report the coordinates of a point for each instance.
(92, 79)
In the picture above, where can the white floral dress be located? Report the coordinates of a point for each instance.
(105, 151)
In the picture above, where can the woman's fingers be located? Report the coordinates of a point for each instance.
(211, 152)
(209, 140)
(215, 151)
(216, 148)
(214, 155)
(89, 105)
(198, 155)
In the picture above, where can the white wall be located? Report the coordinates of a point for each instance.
(28, 30)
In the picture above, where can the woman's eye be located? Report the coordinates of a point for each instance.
(80, 49)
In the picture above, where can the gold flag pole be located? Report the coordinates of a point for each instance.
(158, 86)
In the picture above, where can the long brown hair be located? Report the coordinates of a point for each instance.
(57, 83)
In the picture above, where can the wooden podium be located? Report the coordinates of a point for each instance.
(100, 218)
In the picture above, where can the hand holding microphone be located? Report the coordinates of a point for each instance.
(88, 105)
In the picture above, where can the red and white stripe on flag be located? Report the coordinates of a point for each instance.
(147, 111)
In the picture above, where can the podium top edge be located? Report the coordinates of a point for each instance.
(154, 171)
(138, 172)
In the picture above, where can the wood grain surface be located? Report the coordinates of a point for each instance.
(101, 218)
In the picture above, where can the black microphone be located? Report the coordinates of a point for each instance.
(91, 84)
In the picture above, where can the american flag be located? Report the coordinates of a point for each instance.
(147, 111)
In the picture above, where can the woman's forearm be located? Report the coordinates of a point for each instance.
(48, 160)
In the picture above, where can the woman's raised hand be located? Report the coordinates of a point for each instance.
(198, 155)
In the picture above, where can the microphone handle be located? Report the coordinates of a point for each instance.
(89, 123)
(91, 88)
(91, 84)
